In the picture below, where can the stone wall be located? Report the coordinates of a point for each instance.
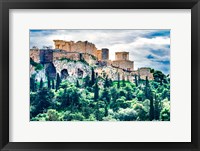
(122, 56)
(145, 72)
(80, 46)
(57, 55)
(99, 55)
(124, 64)
(46, 56)
(34, 54)
(112, 73)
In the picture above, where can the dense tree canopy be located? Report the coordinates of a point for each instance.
(87, 100)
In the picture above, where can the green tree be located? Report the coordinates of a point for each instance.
(36, 86)
(53, 85)
(87, 81)
(140, 95)
(165, 112)
(73, 97)
(77, 84)
(32, 84)
(58, 81)
(139, 79)
(96, 91)
(151, 111)
(41, 83)
(114, 93)
(123, 81)
(136, 81)
(106, 84)
(118, 81)
(158, 77)
(129, 92)
(92, 77)
(127, 114)
(157, 109)
(100, 113)
(147, 91)
(73, 116)
(49, 82)
(141, 112)
(106, 95)
(149, 95)
(53, 115)
(42, 101)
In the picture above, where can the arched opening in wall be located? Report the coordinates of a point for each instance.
(64, 74)
(80, 73)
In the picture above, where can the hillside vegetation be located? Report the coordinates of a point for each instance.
(95, 98)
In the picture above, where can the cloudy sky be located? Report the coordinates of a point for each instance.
(147, 48)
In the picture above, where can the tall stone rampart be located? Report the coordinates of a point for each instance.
(79, 46)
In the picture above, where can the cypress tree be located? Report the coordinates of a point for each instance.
(106, 84)
(151, 111)
(58, 81)
(149, 95)
(35, 85)
(156, 108)
(77, 84)
(106, 110)
(123, 81)
(110, 82)
(32, 84)
(49, 82)
(41, 83)
(87, 81)
(96, 91)
(136, 82)
(147, 88)
(118, 81)
(53, 86)
(97, 114)
(92, 77)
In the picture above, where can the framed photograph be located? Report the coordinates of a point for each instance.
(99, 75)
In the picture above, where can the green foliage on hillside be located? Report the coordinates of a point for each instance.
(88, 100)
(37, 66)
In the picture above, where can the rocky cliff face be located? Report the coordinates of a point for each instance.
(72, 70)
(67, 69)
(112, 73)
(37, 74)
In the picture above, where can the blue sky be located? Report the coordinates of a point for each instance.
(147, 48)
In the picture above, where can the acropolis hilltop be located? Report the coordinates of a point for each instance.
(87, 51)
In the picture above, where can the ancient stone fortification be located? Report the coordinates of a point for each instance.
(81, 50)
(80, 47)
(143, 72)
(122, 61)
(86, 51)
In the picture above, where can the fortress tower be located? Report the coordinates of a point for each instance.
(122, 56)
(103, 54)
(46, 56)
(122, 61)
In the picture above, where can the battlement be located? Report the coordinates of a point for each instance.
(79, 46)
(122, 55)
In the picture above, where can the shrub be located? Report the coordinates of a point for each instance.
(127, 114)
